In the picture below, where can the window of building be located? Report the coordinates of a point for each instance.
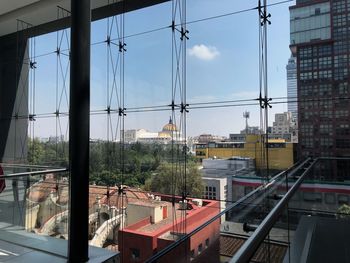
(343, 129)
(325, 104)
(211, 145)
(343, 199)
(325, 74)
(340, 33)
(307, 129)
(306, 115)
(305, 64)
(192, 254)
(207, 243)
(200, 248)
(339, 7)
(340, 47)
(341, 74)
(339, 20)
(200, 153)
(307, 142)
(325, 50)
(340, 103)
(135, 254)
(342, 143)
(210, 193)
(324, 153)
(305, 52)
(325, 62)
(341, 113)
(325, 89)
(326, 129)
(277, 145)
(326, 142)
(343, 88)
(329, 198)
(340, 61)
(306, 76)
(326, 114)
(313, 197)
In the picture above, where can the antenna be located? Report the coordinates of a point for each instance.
(246, 115)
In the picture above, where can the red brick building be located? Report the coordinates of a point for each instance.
(140, 240)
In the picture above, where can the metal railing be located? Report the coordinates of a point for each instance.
(258, 192)
(248, 249)
(33, 173)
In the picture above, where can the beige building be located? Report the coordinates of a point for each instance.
(169, 133)
(139, 209)
(285, 124)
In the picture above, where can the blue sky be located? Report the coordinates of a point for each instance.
(222, 64)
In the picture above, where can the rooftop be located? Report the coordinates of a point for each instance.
(175, 216)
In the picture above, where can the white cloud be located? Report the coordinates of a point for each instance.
(204, 52)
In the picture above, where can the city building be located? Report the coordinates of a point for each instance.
(217, 177)
(296, 216)
(284, 127)
(283, 123)
(252, 130)
(160, 224)
(46, 211)
(52, 139)
(319, 40)
(281, 153)
(292, 94)
(203, 138)
(209, 138)
(169, 133)
(237, 137)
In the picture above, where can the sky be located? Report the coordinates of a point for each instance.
(222, 64)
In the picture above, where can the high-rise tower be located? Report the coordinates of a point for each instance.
(292, 87)
(320, 41)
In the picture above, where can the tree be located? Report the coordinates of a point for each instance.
(107, 178)
(169, 179)
(344, 211)
(36, 152)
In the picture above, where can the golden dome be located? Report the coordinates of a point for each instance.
(169, 127)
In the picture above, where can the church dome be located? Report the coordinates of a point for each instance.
(170, 127)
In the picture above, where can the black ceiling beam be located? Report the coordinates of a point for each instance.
(96, 14)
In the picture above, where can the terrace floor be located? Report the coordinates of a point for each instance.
(17, 245)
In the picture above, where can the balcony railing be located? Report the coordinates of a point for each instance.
(34, 213)
(271, 223)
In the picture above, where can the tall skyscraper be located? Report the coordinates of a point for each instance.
(292, 87)
(320, 41)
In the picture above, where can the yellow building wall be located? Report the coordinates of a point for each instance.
(279, 158)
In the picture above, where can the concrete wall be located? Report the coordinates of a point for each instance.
(136, 213)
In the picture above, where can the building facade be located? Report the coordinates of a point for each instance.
(168, 134)
(320, 41)
(292, 87)
(284, 127)
(283, 123)
(217, 178)
(148, 236)
(281, 153)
